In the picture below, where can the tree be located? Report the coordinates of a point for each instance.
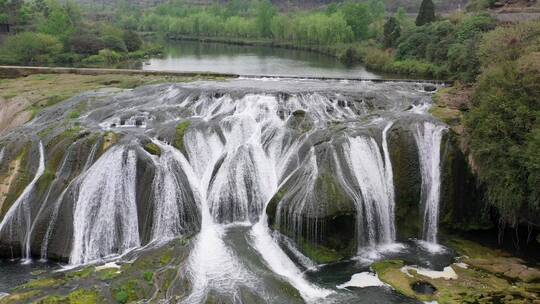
(392, 32)
(426, 14)
(358, 17)
(132, 40)
(265, 13)
(85, 43)
(30, 48)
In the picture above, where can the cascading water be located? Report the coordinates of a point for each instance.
(428, 138)
(104, 213)
(175, 211)
(245, 160)
(373, 190)
(18, 216)
(28, 237)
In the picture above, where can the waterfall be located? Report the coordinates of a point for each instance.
(372, 189)
(237, 174)
(1, 155)
(20, 210)
(175, 207)
(428, 138)
(211, 264)
(58, 202)
(27, 244)
(105, 213)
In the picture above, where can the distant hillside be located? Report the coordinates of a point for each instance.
(410, 6)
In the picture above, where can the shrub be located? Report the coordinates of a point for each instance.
(509, 42)
(114, 43)
(504, 130)
(86, 43)
(30, 48)
(132, 41)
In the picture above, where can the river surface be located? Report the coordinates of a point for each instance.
(251, 60)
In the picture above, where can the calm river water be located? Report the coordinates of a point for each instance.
(251, 60)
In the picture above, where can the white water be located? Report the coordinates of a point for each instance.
(362, 279)
(1, 155)
(27, 244)
(247, 178)
(20, 209)
(172, 213)
(59, 200)
(428, 139)
(105, 214)
(374, 198)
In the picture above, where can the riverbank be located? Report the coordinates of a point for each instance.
(372, 57)
(23, 71)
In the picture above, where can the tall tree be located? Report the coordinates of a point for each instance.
(358, 17)
(426, 14)
(392, 31)
(265, 13)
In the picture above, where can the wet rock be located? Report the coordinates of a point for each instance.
(430, 88)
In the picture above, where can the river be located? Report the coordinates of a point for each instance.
(251, 60)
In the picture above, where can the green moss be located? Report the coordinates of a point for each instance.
(382, 266)
(108, 274)
(79, 296)
(320, 254)
(23, 297)
(121, 297)
(165, 258)
(148, 275)
(180, 132)
(449, 116)
(126, 292)
(81, 274)
(74, 114)
(42, 283)
(152, 149)
(72, 132)
(273, 204)
(45, 181)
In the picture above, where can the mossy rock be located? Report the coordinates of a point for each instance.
(321, 254)
(22, 297)
(127, 292)
(42, 283)
(153, 149)
(181, 129)
(79, 296)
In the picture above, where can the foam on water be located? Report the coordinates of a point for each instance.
(362, 279)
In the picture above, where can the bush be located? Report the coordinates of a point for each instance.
(114, 43)
(509, 42)
(86, 43)
(504, 127)
(132, 41)
(29, 48)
